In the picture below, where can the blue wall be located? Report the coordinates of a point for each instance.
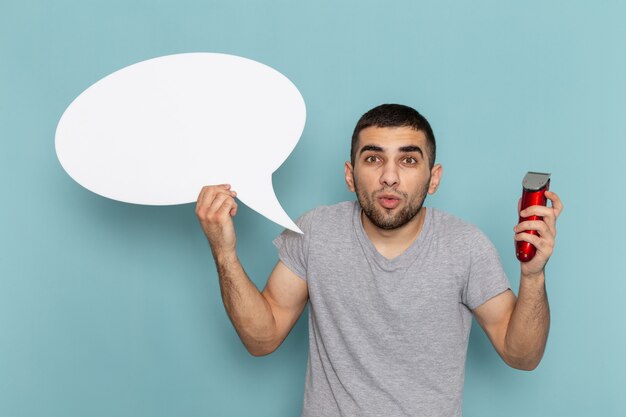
(109, 309)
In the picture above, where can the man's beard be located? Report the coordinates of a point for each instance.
(380, 216)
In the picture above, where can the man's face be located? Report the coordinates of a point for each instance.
(391, 175)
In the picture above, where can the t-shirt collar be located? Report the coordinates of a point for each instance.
(402, 261)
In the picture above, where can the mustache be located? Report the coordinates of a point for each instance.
(390, 191)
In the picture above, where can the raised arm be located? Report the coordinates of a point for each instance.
(518, 328)
(262, 320)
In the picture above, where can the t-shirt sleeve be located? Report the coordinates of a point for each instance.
(293, 247)
(486, 276)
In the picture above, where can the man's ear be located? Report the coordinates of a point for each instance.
(435, 177)
(349, 171)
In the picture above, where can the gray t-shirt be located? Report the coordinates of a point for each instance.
(388, 337)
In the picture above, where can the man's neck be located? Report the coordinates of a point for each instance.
(392, 243)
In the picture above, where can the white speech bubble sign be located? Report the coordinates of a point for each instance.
(155, 132)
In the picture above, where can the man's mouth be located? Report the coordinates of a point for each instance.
(388, 201)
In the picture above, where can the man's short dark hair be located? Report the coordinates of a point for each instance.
(395, 115)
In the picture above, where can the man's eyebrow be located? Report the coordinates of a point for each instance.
(374, 148)
(411, 148)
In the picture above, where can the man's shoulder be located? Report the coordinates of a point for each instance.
(333, 216)
(458, 236)
(450, 224)
(343, 209)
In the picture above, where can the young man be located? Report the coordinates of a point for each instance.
(392, 285)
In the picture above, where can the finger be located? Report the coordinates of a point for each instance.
(542, 245)
(557, 205)
(527, 237)
(217, 202)
(209, 193)
(541, 229)
(547, 213)
(225, 210)
(203, 191)
(225, 188)
(200, 203)
(205, 200)
(551, 222)
(233, 210)
(222, 195)
(208, 188)
(207, 196)
(537, 225)
(541, 211)
(235, 206)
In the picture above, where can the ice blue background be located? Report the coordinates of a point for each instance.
(109, 309)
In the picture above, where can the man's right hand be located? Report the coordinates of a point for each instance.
(262, 320)
(215, 208)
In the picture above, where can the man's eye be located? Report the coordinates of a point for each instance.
(371, 158)
(410, 160)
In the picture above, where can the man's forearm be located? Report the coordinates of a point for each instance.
(248, 310)
(528, 327)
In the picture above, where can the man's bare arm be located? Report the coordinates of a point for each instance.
(262, 320)
(518, 328)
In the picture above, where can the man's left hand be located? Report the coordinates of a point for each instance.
(546, 228)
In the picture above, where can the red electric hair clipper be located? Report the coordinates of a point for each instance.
(534, 186)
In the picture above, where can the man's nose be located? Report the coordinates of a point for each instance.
(390, 177)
